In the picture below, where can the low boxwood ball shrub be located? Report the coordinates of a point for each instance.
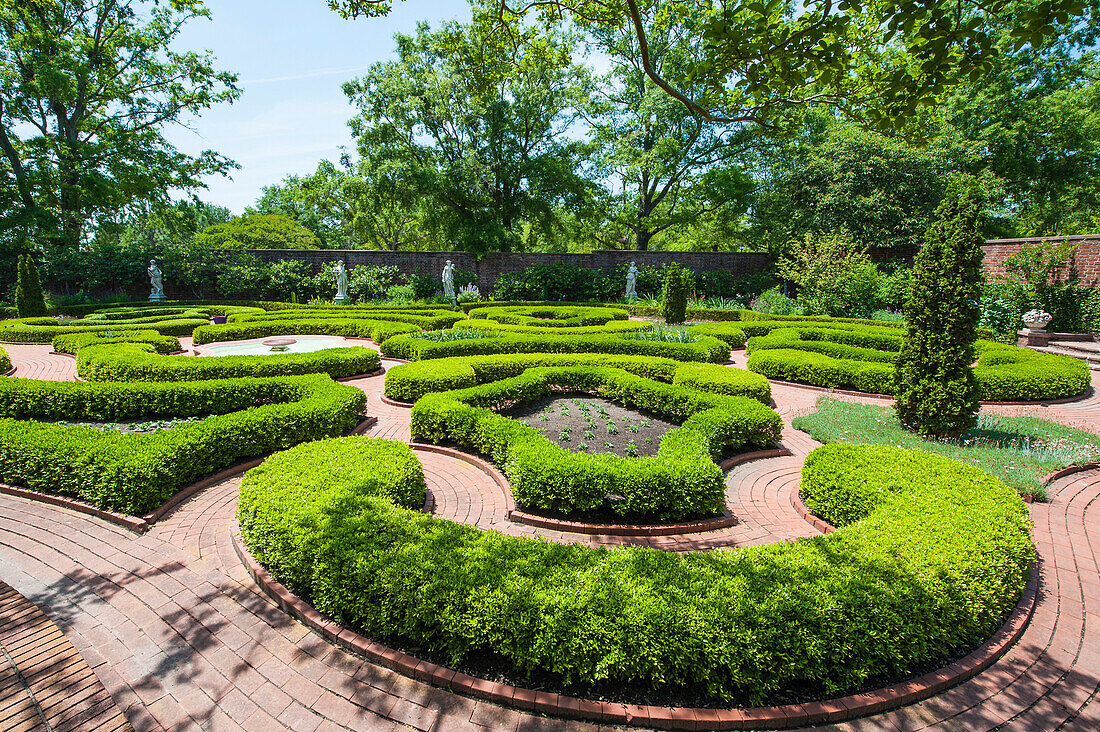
(930, 557)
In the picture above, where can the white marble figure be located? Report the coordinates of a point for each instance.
(341, 281)
(632, 283)
(156, 281)
(449, 280)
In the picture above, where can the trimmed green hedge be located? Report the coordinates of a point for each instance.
(614, 326)
(17, 332)
(1008, 373)
(73, 342)
(931, 557)
(805, 367)
(408, 382)
(426, 319)
(681, 481)
(135, 473)
(411, 348)
(549, 316)
(378, 331)
(139, 362)
(5, 362)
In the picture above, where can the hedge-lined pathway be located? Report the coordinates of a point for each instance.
(181, 638)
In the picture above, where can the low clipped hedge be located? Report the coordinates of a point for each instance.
(73, 342)
(852, 359)
(681, 481)
(614, 326)
(427, 319)
(411, 348)
(139, 362)
(549, 316)
(22, 332)
(5, 362)
(408, 382)
(135, 473)
(930, 557)
(378, 331)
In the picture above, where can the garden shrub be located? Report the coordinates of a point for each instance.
(931, 556)
(681, 481)
(674, 296)
(717, 379)
(140, 362)
(615, 326)
(549, 316)
(72, 343)
(5, 362)
(18, 332)
(136, 472)
(937, 394)
(376, 330)
(29, 299)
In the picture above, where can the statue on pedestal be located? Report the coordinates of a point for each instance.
(341, 281)
(632, 283)
(449, 280)
(156, 281)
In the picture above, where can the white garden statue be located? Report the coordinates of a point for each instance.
(156, 281)
(632, 283)
(341, 281)
(449, 280)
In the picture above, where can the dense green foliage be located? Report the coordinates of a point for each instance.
(141, 362)
(135, 473)
(932, 556)
(1021, 451)
(674, 294)
(258, 231)
(378, 331)
(937, 394)
(71, 343)
(680, 482)
(558, 316)
(5, 362)
(29, 300)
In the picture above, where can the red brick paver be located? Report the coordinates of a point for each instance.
(181, 638)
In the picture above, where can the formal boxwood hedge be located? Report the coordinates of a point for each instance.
(24, 332)
(5, 362)
(931, 556)
(681, 481)
(613, 326)
(411, 348)
(136, 472)
(73, 342)
(426, 319)
(378, 331)
(861, 359)
(139, 362)
(550, 316)
(408, 382)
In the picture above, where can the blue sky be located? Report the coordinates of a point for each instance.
(292, 58)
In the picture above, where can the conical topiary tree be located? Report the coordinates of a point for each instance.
(674, 296)
(937, 394)
(29, 300)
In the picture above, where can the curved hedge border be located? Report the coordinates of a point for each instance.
(427, 319)
(71, 343)
(378, 331)
(614, 326)
(139, 362)
(549, 316)
(862, 360)
(681, 481)
(18, 332)
(135, 473)
(5, 362)
(419, 349)
(408, 382)
(931, 556)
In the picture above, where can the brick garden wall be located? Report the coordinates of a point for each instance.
(1083, 264)
(493, 265)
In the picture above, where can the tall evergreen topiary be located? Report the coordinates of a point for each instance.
(937, 394)
(29, 300)
(674, 297)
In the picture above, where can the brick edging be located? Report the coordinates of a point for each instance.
(133, 523)
(393, 402)
(365, 375)
(818, 523)
(1069, 470)
(664, 718)
(772, 452)
(9, 373)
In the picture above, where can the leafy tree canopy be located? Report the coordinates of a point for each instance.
(258, 231)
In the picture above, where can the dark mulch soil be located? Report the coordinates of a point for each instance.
(144, 427)
(583, 423)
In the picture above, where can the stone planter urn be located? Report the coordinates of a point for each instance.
(1033, 334)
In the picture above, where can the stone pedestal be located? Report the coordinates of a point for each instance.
(1032, 337)
(157, 298)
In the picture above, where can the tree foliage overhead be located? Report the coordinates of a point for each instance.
(258, 231)
(86, 88)
(482, 134)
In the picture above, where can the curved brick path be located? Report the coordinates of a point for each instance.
(181, 638)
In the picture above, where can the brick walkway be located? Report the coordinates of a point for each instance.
(180, 637)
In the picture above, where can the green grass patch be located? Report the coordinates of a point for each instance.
(1017, 450)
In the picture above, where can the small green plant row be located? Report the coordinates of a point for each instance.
(417, 349)
(428, 319)
(549, 316)
(408, 382)
(825, 358)
(140, 362)
(135, 473)
(72, 342)
(683, 480)
(614, 326)
(930, 557)
(378, 331)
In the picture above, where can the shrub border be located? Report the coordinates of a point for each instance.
(664, 718)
